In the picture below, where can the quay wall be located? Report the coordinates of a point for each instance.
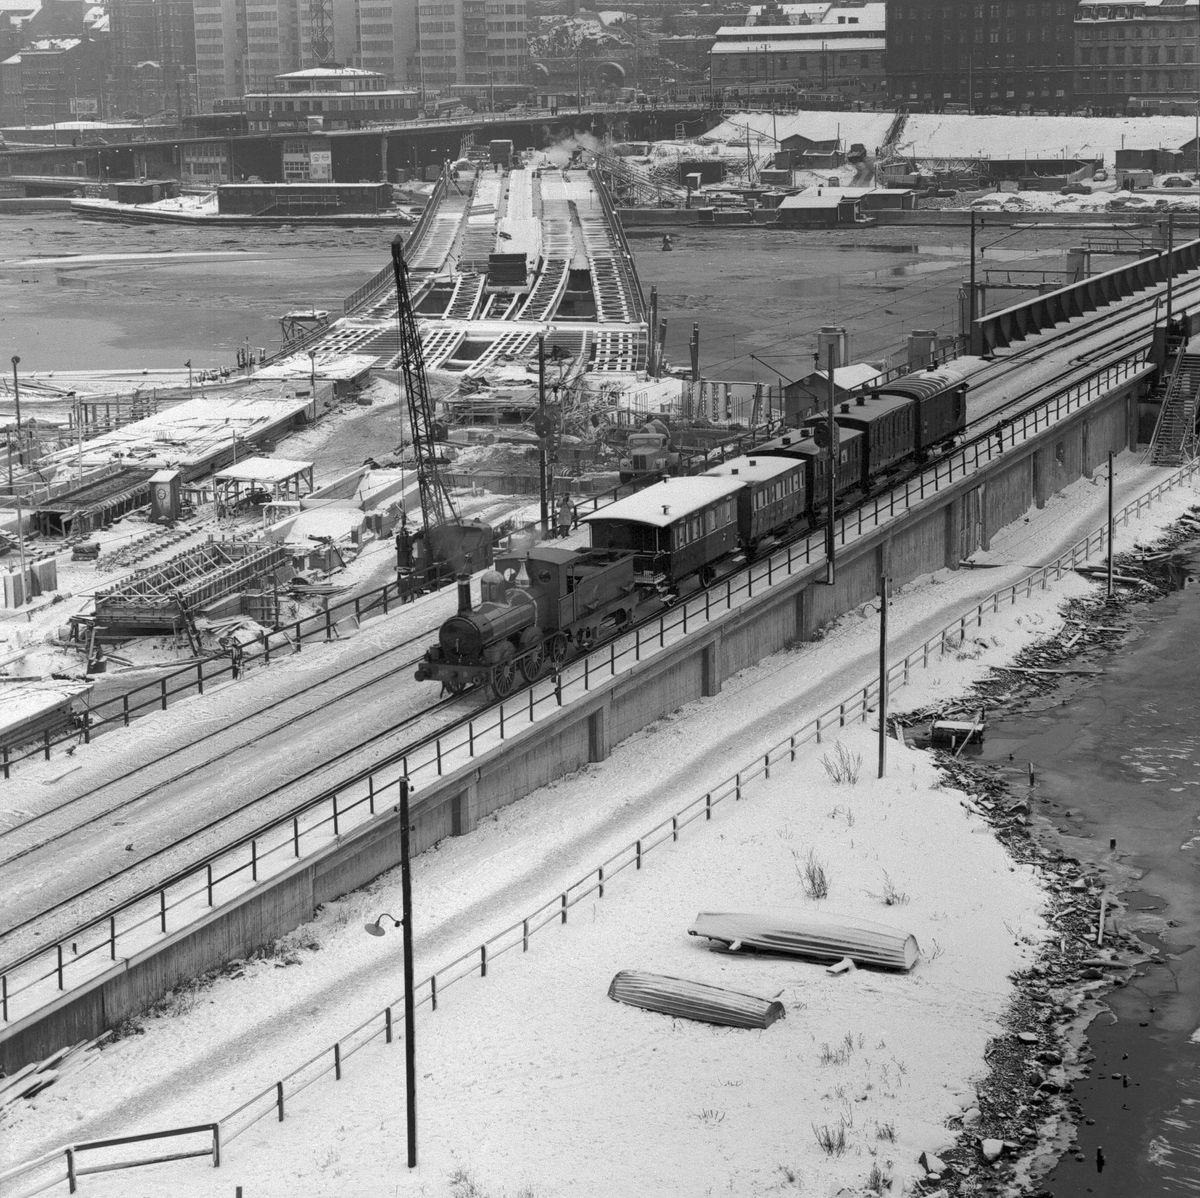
(939, 533)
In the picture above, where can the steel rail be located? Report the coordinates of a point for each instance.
(431, 738)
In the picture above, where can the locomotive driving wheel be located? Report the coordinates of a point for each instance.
(534, 663)
(556, 650)
(504, 676)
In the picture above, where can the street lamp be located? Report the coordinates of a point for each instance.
(405, 922)
(17, 398)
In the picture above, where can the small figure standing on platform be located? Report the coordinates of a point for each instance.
(666, 243)
(566, 516)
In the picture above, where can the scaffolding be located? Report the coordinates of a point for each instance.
(164, 598)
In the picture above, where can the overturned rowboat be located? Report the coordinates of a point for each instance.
(684, 999)
(819, 936)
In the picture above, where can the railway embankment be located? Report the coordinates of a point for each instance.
(242, 1032)
(931, 532)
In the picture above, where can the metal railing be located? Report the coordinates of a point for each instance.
(51, 1170)
(555, 911)
(192, 678)
(42, 975)
(382, 279)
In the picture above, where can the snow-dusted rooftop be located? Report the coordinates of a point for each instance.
(666, 502)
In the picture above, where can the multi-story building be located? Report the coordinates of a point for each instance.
(52, 79)
(154, 55)
(470, 41)
(241, 45)
(969, 56)
(328, 98)
(1138, 54)
(836, 46)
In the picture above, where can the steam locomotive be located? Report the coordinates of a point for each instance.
(536, 610)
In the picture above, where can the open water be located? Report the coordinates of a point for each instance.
(1121, 760)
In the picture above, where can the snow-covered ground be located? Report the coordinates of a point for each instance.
(531, 1081)
(933, 135)
(869, 128)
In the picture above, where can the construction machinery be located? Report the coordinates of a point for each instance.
(446, 544)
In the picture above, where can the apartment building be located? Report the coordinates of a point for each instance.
(478, 42)
(1138, 54)
(154, 55)
(822, 47)
(1011, 56)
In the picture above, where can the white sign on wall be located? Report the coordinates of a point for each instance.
(320, 165)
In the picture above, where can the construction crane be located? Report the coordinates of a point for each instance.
(451, 544)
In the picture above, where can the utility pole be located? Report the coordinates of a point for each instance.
(831, 482)
(972, 339)
(1170, 267)
(883, 673)
(1110, 523)
(545, 507)
(21, 551)
(410, 1021)
(17, 400)
(78, 433)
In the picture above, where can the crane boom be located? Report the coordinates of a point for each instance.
(437, 508)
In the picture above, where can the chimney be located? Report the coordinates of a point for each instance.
(464, 594)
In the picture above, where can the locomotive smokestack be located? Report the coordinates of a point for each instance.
(464, 594)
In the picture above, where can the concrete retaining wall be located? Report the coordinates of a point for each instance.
(944, 529)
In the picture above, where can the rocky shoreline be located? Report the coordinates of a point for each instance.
(1024, 1117)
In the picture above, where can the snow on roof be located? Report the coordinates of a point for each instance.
(51, 44)
(808, 42)
(670, 500)
(25, 700)
(857, 374)
(752, 469)
(340, 368)
(846, 193)
(332, 73)
(262, 470)
(813, 201)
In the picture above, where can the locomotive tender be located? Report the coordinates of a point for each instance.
(535, 610)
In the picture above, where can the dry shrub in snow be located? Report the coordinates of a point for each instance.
(463, 1185)
(831, 1139)
(891, 896)
(812, 875)
(844, 766)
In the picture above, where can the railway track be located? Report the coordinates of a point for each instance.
(10, 839)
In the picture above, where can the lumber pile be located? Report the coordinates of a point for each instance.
(30, 1080)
